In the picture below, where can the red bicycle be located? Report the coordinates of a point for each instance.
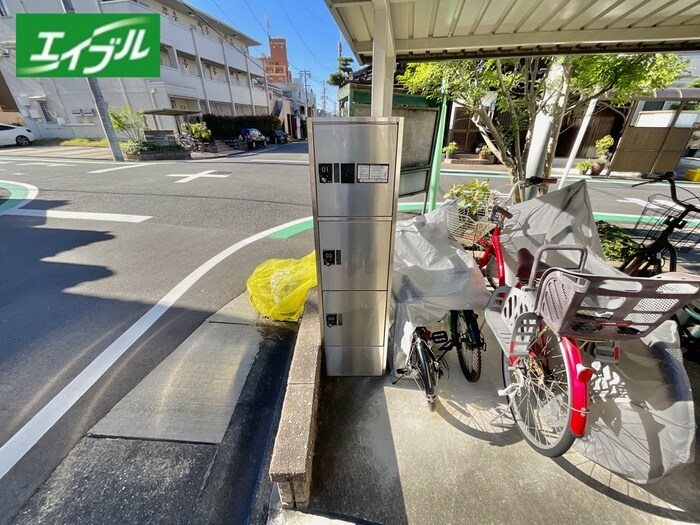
(543, 322)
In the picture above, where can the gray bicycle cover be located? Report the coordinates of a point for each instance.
(641, 423)
(432, 275)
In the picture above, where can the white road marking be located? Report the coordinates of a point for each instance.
(49, 164)
(30, 434)
(664, 203)
(129, 166)
(188, 178)
(58, 214)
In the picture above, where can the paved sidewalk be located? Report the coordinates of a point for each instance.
(383, 457)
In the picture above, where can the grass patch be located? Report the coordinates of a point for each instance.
(95, 143)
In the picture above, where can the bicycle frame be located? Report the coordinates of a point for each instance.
(494, 249)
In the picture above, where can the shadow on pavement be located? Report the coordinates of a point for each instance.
(355, 462)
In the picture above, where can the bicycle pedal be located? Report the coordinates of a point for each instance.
(401, 371)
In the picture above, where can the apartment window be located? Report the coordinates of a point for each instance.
(44, 107)
(279, 70)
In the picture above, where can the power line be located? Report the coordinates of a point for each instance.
(251, 12)
(324, 22)
(302, 38)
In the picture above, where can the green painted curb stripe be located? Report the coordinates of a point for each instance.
(502, 175)
(408, 206)
(293, 230)
(624, 217)
(17, 195)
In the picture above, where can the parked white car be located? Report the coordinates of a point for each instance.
(15, 135)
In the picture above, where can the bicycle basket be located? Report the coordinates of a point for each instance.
(659, 210)
(605, 307)
(468, 225)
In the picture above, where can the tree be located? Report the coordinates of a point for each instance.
(338, 77)
(128, 121)
(522, 92)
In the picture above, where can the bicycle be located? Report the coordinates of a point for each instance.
(543, 325)
(426, 362)
(189, 143)
(668, 225)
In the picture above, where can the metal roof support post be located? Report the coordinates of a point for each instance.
(431, 198)
(579, 138)
(383, 61)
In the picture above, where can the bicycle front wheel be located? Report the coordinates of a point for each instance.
(469, 343)
(422, 365)
(539, 394)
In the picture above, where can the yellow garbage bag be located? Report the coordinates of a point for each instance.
(277, 288)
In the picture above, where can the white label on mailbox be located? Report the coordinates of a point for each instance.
(373, 173)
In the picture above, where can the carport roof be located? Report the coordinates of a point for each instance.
(443, 29)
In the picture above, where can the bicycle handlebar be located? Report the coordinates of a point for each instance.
(669, 177)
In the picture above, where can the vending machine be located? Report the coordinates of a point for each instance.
(354, 164)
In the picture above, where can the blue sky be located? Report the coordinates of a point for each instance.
(311, 33)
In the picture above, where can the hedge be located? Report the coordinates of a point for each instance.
(230, 127)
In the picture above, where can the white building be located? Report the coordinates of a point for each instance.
(205, 66)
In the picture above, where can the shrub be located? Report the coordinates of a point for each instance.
(470, 196)
(197, 130)
(583, 166)
(603, 145)
(230, 127)
(450, 148)
(133, 148)
(128, 121)
(617, 244)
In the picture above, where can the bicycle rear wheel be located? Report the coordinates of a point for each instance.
(470, 343)
(422, 365)
(539, 394)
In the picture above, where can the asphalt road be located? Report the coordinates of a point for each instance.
(75, 279)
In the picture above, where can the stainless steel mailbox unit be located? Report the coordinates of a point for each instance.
(355, 165)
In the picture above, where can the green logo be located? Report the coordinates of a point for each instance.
(80, 45)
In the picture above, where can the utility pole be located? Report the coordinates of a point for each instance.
(305, 73)
(100, 103)
(323, 98)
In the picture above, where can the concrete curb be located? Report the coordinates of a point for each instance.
(292, 457)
